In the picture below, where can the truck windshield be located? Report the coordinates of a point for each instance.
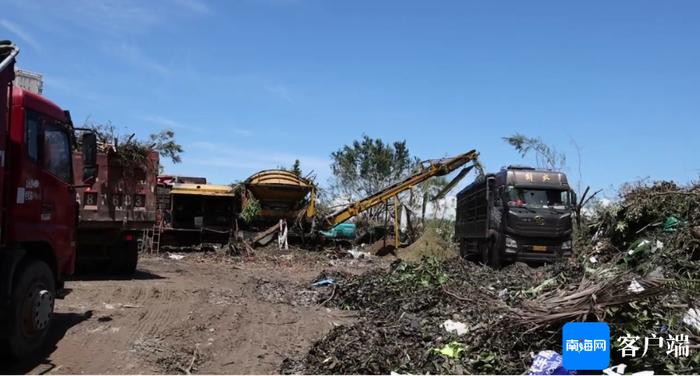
(538, 198)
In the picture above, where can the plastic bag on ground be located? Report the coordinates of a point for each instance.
(548, 362)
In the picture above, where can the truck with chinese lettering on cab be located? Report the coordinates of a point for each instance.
(516, 214)
(38, 211)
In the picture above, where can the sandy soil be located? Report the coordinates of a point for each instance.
(200, 314)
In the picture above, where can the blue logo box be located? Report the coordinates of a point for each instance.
(586, 345)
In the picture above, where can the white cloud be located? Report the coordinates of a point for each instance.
(22, 34)
(115, 16)
(135, 57)
(280, 91)
(169, 123)
(242, 132)
(252, 160)
(195, 6)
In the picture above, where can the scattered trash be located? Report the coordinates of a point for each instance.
(359, 254)
(324, 282)
(455, 327)
(692, 319)
(548, 362)
(175, 256)
(639, 246)
(451, 350)
(619, 370)
(635, 287)
(671, 224)
(633, 271)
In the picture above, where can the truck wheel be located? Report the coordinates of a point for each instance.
(485, 251)
(124, 257)
(466, 252)
(490, 255)
(495, 254)
(131, 258)
(32, 308)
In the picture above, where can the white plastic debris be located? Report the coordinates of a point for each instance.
(593, 260)
(175, 256)
(359, 254)
(635, 287)
(638, 247)
(455, 327)
(692, 318)
(657, 246)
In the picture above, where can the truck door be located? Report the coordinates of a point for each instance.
(58, 209)
(46, 209)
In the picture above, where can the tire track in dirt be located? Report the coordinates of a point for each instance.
(154, 324)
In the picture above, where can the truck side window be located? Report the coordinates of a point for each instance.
(57, 154)
(31, 135)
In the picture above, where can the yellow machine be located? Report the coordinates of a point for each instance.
(429, 169)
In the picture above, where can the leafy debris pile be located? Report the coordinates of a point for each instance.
(636, 267)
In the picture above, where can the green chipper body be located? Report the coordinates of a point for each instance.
(341, 231)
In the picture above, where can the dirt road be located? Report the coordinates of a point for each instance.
(200, 314)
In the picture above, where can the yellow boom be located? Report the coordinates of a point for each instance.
(429, 169)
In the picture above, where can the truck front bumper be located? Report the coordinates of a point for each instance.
(537, 251)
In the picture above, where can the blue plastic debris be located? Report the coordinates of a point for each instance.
(548, 362)
(324, 282)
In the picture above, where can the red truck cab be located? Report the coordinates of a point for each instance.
(38, 211)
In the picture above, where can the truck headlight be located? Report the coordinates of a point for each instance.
(566, 245)
(511, 243)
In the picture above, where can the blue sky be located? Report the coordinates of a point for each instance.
(254, 84)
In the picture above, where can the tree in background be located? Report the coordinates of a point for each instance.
(134, 152)
(368, 165)
(545, 156)
(548, 157)
(296, 168)
(164, 143)
(430, 189)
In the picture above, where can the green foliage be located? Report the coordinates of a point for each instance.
(452, 350)
(164, 143)
(429, 273)
(545, 156)
(296, 168)
(367, 165)
(130, 153)
(429, 189)
(250, 210)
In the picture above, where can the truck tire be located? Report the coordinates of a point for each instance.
(490, 253)
(484, 250)
(466, 253)
(131, 258)
(31, 308)
(495, 254)
(124, 257)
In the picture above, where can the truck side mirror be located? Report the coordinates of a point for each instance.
(89, 142)
(574, 199)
